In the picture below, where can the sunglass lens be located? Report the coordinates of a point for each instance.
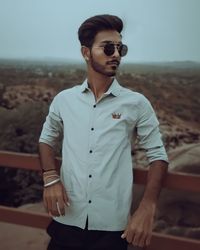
(123, 50)
(109, 49)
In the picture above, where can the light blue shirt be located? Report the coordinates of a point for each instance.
(96, 151)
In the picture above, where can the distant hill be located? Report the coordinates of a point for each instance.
(140, 67)
(163, 67)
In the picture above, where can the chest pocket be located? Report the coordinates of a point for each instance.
(112, 129)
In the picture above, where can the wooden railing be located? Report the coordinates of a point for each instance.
(178, 181)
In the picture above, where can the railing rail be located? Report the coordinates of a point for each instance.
(174, 180)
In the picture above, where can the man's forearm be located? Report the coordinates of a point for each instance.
(47, 157)
(139, 228)
(156, 174)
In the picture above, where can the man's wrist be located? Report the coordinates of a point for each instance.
(148, 203)
(50, 177)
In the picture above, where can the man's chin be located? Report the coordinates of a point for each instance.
(111, 73)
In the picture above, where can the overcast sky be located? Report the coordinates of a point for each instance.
(155, 30)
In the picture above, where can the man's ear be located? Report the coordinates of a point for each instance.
(85, 52)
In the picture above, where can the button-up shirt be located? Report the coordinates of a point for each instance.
(97, 164)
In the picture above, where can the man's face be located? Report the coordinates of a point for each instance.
(100, 62)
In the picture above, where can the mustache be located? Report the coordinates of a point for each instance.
(117, 62)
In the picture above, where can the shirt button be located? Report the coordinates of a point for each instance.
(94, 106)
(90, 151)
(89, 201)
(92, 128)
(90, 176)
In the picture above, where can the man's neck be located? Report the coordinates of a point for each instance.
(99, 85)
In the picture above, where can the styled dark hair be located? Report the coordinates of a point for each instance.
(90, 27)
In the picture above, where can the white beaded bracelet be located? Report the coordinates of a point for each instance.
(51, 182)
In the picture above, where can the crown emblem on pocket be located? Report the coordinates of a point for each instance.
(116, 115)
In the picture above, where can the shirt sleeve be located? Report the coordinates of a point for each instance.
(148, 132)
(53, 126)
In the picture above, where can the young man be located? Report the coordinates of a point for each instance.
(90, 197)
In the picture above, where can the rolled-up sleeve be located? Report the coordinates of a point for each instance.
(53, 127)
(148, 132)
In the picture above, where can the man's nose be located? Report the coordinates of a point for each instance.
(116, 52)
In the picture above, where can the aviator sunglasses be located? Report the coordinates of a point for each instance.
(109, 49)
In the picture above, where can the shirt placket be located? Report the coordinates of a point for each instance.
(92, 156)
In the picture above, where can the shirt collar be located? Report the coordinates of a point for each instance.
(114, 89)
(84, 86)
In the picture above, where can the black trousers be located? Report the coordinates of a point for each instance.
(64, 237)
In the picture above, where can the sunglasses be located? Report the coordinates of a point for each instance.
(109, 49)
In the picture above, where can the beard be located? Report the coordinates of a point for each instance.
(99, 68)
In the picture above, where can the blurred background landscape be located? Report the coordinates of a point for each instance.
(28, 87)
(40, 56)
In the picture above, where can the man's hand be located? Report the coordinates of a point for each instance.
(55, 198)
(140, 225)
